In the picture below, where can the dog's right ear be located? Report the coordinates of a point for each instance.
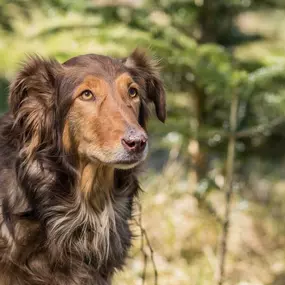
(32, 100)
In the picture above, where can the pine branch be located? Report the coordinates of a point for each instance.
(250, 132)
(264, 74)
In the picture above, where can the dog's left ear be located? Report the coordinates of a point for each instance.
(147, 68)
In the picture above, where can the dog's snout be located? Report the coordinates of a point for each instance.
(134, 141)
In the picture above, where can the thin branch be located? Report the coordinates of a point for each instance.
(155, 272)
(145, 256)
(228, 191)
(145, 238)
(145, 262)
(206, 205)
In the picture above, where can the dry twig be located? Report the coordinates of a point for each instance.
(207, 206)
(146, 242)
(228, 191)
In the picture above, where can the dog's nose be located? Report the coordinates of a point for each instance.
(134, 142)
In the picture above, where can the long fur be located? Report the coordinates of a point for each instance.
(50, 232)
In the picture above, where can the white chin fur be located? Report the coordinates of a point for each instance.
(126, 166)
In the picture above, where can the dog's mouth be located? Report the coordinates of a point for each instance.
(123, 160)
(120, 164)
(128, 163)
(127, 160)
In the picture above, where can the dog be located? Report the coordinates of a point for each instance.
(71, 146)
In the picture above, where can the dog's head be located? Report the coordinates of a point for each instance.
(94, 106)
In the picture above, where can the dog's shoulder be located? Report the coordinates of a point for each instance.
(8, 153)
(7, 140)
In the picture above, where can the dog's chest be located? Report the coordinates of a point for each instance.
(109, 236)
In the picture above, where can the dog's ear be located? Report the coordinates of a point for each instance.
(32, 99)
(147, 68)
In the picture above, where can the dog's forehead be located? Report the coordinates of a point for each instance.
(96, 65)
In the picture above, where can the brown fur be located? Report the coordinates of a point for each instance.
(68, 168)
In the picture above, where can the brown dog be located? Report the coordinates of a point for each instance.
(69, 150)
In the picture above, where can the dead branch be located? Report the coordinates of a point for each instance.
(207, 206)
(146, 242)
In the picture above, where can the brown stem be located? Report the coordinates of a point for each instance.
(144, 238)
(228, 188)
(155, 272)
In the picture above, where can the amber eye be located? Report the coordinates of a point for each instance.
(87, 95)
(133, 92)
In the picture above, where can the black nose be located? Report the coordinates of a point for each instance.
(134, 141)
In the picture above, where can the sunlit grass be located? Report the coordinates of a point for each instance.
(184, 238)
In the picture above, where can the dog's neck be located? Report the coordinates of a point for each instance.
(88, 222)
(91, 172)
(96, 182)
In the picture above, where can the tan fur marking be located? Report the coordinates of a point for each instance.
(98, 86)
(123, 82)
(66, 140)
(87, 177)
(95, 172)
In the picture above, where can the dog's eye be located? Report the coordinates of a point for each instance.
(133, 92)
(87, 95)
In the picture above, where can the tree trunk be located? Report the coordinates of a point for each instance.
(198, 158)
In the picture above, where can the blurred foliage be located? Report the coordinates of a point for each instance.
(209, 50)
